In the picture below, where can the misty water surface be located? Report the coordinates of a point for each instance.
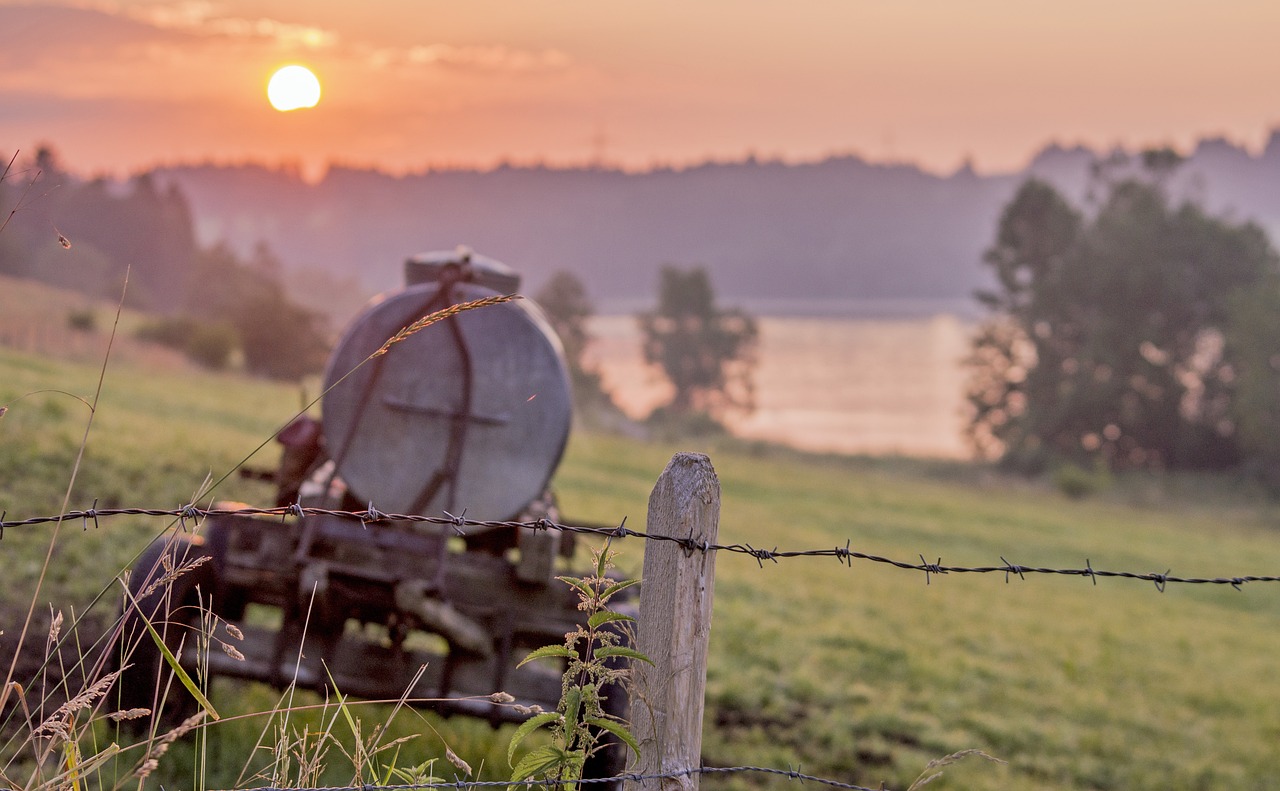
(827, 384)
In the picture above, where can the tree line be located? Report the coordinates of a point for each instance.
(215, 305)
(1135, 332)
(84, 235)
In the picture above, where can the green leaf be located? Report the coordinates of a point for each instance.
(617, 729)
(621, 650)
(603, 560)
(580, 584)
(542, 761)
(572, 705)
(527, 727)
(546, 651)
(607, 616)
(617, 586)
(172, 661)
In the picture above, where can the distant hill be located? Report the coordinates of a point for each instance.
(780, 238)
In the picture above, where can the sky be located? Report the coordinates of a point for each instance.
(120, 86)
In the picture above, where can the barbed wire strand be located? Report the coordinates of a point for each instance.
(845, 555)
(790, 774)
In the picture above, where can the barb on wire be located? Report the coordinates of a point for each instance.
(844, 555)
(461, 785)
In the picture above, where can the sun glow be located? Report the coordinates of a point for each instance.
(293, 88)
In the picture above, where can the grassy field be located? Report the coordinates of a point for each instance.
(866, 673)
(861, 673)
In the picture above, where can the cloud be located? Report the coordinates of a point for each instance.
(34, 35)
(202, 17)
(476, 58)
(81, 50)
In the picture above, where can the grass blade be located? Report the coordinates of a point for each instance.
(172, 661)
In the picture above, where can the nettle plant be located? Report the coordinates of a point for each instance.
(578, 724)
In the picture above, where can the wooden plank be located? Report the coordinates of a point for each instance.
(675, 624)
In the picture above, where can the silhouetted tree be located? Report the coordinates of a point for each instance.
(1253, 344)
(707, 353)
(279, 338)
(564, 300)
(143, 229)
(1107, 338)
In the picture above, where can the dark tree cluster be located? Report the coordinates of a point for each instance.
(85, 236)
(1143, 333)
(707, 352)
(568, 308)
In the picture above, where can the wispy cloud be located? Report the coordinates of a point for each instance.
(72, 48)
(492, 58)
(203, 17)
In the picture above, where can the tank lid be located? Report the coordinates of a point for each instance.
(478, 269)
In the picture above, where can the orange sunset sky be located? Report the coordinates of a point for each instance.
(408, 84)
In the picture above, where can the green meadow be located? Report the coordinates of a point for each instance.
(861, 673)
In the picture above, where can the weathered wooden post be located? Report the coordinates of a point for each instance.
(675, 624)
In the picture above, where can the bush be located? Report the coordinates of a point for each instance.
(85, 320)
(206, 343)
(212, 345)
(1078, 483)
(171, 331)
(672, 424)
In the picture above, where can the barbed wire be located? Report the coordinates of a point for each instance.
(845, 554)
(459, 785)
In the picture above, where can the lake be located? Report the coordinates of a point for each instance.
(845, 385)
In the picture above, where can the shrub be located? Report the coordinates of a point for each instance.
(1078, 483)
(171, 331)
(212, 344)
(85, 320)
(206, 343)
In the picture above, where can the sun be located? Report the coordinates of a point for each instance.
(293, 88)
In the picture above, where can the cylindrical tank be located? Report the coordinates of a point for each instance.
(470, 413)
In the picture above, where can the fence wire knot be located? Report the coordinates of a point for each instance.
(621, 530)
(1161, 580)
(92, 513)
(294, 510)
(1009, 568)
(189, 511)
(690, 545)
(459, 522)
(761, 555)
(371, 515)
(931, 568)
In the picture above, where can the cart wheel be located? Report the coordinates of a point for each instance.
(172, 604)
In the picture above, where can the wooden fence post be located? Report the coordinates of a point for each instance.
(675, 624)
